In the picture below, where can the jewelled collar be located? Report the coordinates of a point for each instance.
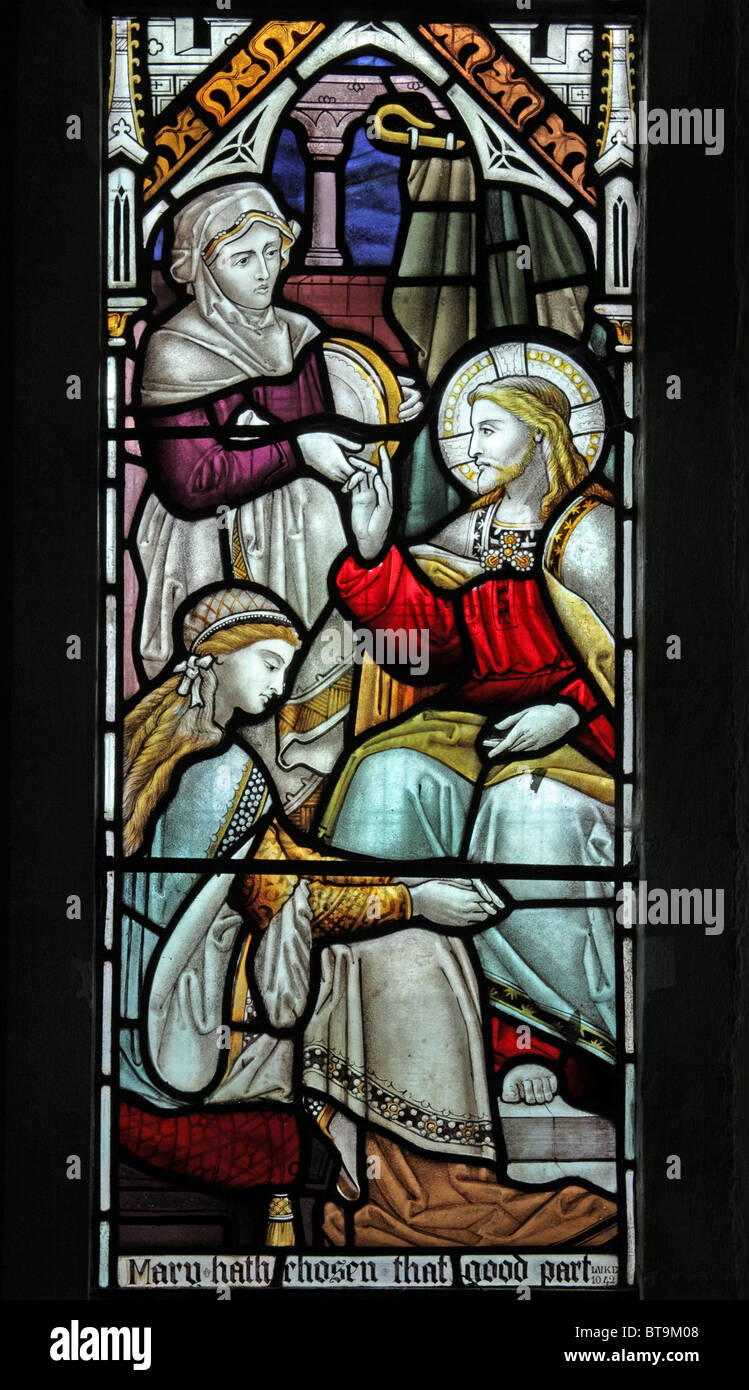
(499, 548)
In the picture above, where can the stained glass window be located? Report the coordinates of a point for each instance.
(377, 863)
(368, 561)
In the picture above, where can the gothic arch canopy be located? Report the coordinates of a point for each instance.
(221, 125)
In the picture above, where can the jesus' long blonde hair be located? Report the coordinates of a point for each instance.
(164, 727)
(542, 406)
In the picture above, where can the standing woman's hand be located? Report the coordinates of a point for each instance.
(411, 404)
(328, 454)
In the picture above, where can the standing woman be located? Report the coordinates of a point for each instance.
(234, 412)
(219, 384)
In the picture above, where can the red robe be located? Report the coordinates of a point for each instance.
(497, 636)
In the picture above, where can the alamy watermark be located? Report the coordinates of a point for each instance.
(76, 1343)
(408, 648)
(680, 125)
(702, 907)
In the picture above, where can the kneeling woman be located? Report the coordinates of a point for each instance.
(191, 791)
(214, 1003)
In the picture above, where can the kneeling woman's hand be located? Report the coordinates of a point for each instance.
(454, 902)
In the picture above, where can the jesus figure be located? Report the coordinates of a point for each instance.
(512, 763)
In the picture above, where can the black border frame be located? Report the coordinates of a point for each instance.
(694, 1011)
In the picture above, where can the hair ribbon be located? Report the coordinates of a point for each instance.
(193, 670)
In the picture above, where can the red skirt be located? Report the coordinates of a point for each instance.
(230, 1150)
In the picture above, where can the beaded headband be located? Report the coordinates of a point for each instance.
(256, 615)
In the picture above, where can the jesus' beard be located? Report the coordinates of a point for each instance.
(507, 475)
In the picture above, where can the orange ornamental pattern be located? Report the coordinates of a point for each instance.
(477, 57)
(226, 92)
(567, 150)
(251, 69)
(178, 143)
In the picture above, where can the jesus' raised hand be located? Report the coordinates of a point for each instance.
(371, 495)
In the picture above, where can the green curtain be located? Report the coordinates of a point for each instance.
(476, 286)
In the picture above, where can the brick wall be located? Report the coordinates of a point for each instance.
(347, 301)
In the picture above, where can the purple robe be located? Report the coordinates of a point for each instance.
(196, 472)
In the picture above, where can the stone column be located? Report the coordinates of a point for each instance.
(326, 111)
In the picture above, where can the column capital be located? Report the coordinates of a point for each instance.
(329, 107)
